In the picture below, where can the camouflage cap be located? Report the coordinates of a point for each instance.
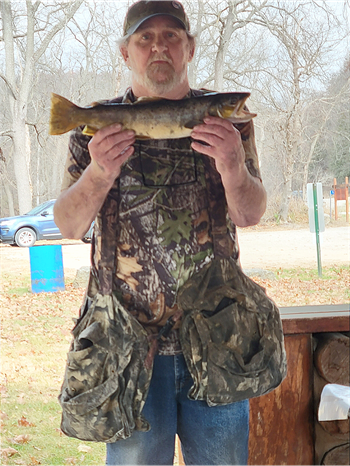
(143, 10)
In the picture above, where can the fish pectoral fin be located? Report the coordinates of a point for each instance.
(143, 138)
(192, 123)
(89, 130)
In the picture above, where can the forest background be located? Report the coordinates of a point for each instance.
(293, 57)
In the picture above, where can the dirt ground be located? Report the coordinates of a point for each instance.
(292, 248)
(261, 248)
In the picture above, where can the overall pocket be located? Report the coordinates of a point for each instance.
(231, 337)
(105, 384)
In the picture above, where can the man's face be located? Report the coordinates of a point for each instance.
(158, 54)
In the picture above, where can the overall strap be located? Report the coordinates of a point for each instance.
(109, 215)
(222, 242)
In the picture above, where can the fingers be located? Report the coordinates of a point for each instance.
(111, 138)
(110, 147)
(218, 135)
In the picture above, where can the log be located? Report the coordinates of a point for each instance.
(339, 427)
(332, 358)
(338, 455)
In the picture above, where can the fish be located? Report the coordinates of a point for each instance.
(150, 118)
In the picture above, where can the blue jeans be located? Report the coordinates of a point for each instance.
(209, 435)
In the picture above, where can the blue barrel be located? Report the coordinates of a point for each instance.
(46, 268)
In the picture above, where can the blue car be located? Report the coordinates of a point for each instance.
(38, 224)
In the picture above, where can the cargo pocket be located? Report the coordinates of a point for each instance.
(86, 362)
(229, 352)
(98, 401)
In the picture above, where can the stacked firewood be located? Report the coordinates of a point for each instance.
(331, 361)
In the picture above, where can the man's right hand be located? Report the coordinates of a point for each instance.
(109, 148)
(78, 206)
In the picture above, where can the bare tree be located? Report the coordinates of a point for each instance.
(303, 42)
(25, 41)
(277, 49)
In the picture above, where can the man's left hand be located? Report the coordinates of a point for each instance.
(223, 143)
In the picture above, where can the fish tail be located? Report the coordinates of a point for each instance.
(63, 116)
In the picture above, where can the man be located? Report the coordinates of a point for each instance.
(164, 232)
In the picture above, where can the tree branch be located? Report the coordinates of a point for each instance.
(68, 16)
(10, 87)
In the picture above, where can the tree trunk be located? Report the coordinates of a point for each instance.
(226, 33)
(10, 204)
(192, 69)
(286, 194)
(21, 158)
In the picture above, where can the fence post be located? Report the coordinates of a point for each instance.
(335, 199)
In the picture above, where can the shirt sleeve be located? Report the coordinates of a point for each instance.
(78, 158)
(248, 141)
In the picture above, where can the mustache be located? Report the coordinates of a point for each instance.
(160, 58)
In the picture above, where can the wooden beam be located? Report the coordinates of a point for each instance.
(281, 422)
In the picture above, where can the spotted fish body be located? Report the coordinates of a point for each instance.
(150, 118)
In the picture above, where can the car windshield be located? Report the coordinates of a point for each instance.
(38, 209)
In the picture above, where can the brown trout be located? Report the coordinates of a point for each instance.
(150, 118)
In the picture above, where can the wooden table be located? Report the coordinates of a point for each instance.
(282, 423)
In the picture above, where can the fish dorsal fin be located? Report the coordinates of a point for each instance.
(144, 100)
(93, 104)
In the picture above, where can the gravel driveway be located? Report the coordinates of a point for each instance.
(260, 248)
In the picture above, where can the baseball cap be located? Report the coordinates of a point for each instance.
(143, 10)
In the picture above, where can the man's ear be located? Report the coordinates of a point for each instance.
(192, 50)
(124, 51)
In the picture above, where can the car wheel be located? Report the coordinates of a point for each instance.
(25, 237)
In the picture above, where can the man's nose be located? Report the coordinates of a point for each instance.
(159, 44)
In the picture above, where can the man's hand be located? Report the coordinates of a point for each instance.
(78, 206)
(245, 194)
(224, 144)
(109, 148)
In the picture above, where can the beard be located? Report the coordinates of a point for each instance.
(161, 78)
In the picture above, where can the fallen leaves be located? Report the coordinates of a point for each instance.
(295, 291)
(36, 332)
(34, 461)
(19, 439)
(25, 423)
(8, 452)
(84, 448)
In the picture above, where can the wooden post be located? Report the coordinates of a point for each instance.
(335, 200)
(281, 422)
(347, 198)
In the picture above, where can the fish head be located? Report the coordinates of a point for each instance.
(231, 106)
(231, 103)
